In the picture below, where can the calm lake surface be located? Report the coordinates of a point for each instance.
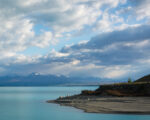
(28, 103)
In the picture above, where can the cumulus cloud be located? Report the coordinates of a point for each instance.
(114, 47)
(61, 15)
(114, 55)
(19, 18)
(142, 9)
(120, 48)
(17, 35)
(117, 49)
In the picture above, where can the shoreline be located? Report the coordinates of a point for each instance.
(107, 104)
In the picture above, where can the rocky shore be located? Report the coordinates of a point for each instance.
(97, 104)
(124, 98)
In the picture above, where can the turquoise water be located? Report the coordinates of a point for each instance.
(28, 103)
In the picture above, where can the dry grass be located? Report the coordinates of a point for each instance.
(132, 83)
(115, 93)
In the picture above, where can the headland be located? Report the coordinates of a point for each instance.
(120, 98)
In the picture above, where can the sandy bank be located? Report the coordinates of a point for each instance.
(95, 104)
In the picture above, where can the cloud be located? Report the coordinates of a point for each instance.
(117, 48)
(43, 40)
(17, 35)
(114, 47)
(61, 18)
(120, 48)
(61, 15)
(19, 19)
(114, 55)
(142, 9)
(109, 22)
(135, 10)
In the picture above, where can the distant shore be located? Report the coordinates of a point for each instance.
(97, 104)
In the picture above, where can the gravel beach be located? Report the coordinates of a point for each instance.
(96, 104)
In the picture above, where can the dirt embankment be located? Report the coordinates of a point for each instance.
(121, 90)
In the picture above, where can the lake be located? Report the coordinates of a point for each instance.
(28, 103)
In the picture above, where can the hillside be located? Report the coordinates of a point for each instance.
(144, 79)
(140, 87)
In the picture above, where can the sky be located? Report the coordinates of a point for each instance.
(108, 39)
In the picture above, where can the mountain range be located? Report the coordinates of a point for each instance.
(35, 79)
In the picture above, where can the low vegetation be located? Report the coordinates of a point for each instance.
(136, 88)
